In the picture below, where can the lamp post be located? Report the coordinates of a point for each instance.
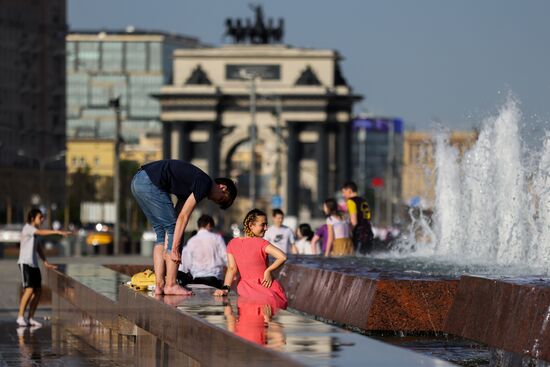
(278, 113)
(115, 104)
(253, 131)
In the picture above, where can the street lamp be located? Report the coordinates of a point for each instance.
(253, 132)
(278, 113)
(114, 103)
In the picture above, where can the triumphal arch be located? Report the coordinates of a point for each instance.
(291, 104)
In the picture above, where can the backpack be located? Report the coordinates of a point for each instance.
(142, 280)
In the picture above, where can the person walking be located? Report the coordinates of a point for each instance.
(204, 256)
(360, 219)
(280, 235)
(339, 242)
(28, 264)
(248, 257)
(152, 186)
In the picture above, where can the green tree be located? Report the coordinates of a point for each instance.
(82, 187)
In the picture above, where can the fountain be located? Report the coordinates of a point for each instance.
(492, 207)
(478, 268)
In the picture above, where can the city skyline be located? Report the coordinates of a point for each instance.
(452, 63)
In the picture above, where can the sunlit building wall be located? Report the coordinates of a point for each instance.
(418, 177)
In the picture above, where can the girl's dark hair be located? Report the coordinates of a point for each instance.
(306, 231)
(251, 218)
(332, 207)
(32, 214)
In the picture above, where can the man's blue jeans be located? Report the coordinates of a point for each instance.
(157, 206)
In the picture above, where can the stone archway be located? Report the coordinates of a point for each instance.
(231, 169)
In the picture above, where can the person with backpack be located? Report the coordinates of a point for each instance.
(359, 217)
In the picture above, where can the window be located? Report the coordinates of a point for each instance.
(88, 56)
(112, 56)
(155, 56)
(136, 56)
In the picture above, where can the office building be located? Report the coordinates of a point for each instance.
(130, 64)
(32, 107)
(377, 151)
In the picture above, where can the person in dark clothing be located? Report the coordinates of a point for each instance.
(359, 216)
(152, 186)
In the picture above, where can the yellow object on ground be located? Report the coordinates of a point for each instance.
(142, 280)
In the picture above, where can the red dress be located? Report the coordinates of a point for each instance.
(251, 259)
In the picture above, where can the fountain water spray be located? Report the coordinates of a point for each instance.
(492, 206)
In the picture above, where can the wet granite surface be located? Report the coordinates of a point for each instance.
(308, 341)
(512, 314)
(206, 330)
(371, 301)
(508, 313)
(32, 346)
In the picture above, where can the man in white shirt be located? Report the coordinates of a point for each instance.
(280, 235)
(204, 257)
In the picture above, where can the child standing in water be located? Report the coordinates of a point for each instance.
(248, 256)
(28, 263)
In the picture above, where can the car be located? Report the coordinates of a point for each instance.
(10, 237)
(100, 236)
(10, 233)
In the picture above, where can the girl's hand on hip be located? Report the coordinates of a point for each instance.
(268, 279)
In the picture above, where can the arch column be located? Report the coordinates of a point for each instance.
(322, 163)
(213, 154)
(166, 140)
(184, 148)
(293, 161)
(343, 151)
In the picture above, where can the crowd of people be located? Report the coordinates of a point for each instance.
(254, 257)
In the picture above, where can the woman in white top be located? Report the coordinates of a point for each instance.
(304, 233)
(339, 242)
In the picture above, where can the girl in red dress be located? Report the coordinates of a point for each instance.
(248, 256)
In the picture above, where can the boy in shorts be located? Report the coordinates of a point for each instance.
(28, 264)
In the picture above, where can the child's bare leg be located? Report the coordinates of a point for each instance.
(34, 301)
(172, 287)
(160, 268)
(25, 298)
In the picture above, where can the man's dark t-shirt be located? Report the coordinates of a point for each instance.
(179, 178)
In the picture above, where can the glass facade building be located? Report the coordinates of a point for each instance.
(131, 65)
(377, 156)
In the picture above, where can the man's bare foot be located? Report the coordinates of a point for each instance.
(175, 300)
(159, 290)
(177, 290)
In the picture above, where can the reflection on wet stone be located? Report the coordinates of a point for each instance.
(133, 327)
(90, 305)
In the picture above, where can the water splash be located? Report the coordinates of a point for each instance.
(493, 205)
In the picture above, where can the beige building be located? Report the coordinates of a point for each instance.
(302, 113)
(98, 154)
(418, 176)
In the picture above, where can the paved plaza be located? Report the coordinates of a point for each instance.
(31, 346)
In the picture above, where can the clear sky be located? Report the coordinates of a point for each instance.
(422, 60)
